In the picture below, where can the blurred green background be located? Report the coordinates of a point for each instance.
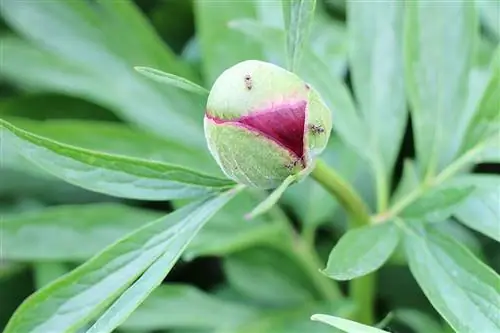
(67, 74)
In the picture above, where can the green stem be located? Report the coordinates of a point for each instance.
(305, 255)
(361, 289)
(344, 193)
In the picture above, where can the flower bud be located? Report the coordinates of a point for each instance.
(263, 124)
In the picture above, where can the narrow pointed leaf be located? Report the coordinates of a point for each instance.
(71, 302)
(460, 287)
(345, 325)
(298, 19)
(110, 174)
(272, 199)
(439, 52)
(376, 58)
(361, 251)
(123, 307)
(172, 80)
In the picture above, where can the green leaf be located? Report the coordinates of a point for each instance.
(486, 119)
(220, 46)
(460, 287)
(410, 180)
(439, 52)
(57, 233)
(111, 174)
(375, 53)
(71, 302)
(298, 16)
(281, 281)
(183, 306)
(113, 37)
(172, 80)
(361, 251)
(228, 231)
(273, 198)
(116, 138)
(490, 11)
(438, 203)
(481, 210)
(345, 325)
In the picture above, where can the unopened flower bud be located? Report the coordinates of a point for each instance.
(263, 124)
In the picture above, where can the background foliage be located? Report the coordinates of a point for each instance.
(105, 179)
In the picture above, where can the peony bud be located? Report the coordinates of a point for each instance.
(263, 124)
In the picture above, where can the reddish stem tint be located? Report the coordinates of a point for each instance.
(283, 123)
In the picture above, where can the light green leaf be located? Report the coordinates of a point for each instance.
(111, 174)
(228, 231)
(220, 46)
(486, 119)
(460, 287)
(117, 138)
(125, 305)
(481, 210)
(183, 306)
(113, 37)
(281, 281)
(71, 302)
(57, 233)
(345, 325)
(172, 80)
(361, 251)
(438, 203)
(375, 53)
(410, 180)
(298, 16)
(273, 198)
(439, 52)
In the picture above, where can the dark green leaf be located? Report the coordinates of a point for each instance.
(220, 46)
(361, 251)
(71, 302)
(460, 287)
(172, 80)
(88, 49)
(490, 12)
(111, 174)
(375, 31)
(439, 52)
(183, 306)
(281, 281)
(298, 16)
(58, 233)
(345, 325)
(481, 210)
(438, 203)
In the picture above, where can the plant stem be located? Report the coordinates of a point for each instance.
(362, 289)
(344, 193)
(305, 255)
